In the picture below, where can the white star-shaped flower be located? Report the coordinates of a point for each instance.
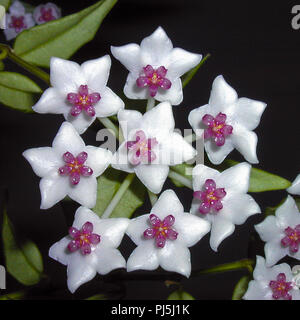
(295, 187)
(222, 199)
(155, 68)
(69, 167)
(274, 283)
(163, 236)
(79, 92)
(46, 12)
(17, 20)
(227, 123)
(151, 145)
(90, 247)
(281, 233)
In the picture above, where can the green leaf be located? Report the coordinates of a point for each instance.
(5, 4)
(185, 170)
(180, 295)
(2, 66)
(108, 184)
(24, 262)
(298, 203)
(98, 297)
(240, 288)
(186, 78)
(17, 91)
(18, 295)
(61, 37)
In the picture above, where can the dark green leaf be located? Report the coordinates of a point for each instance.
(108, 184)
(180, 295)
(23, 262)
(189, 75)
(61, 37)
(5, 4)
(98, 297)
(240, 288)
(17, 91)
(18, 295)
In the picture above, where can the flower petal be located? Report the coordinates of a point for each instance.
(256, 291)
(81, 269)
(175, 150)
(221, 229)
(181, 61)
(81, 122)
(216, 154)
(195, 118)
(68, 139)
(287, 214)
(130, 121)
(136, 229)
(59, 251)
(17, 8)
(295, 187)
(66, 75)
(156, 48)
(42, 160)
(52, 101)
(29, 21)
(120, 159)
(268, 230)
(248, 112)
(143, 257)
(201, 173)
(153, 176)
(85, 192)
(222, 93)
(274, 252)
(261, 272)
(168, 203)
(175, 257)
(98, 159)
(96, 72)
(132, 91)
(129, 56)
(53, 189)
(245, 142)
(108, 259)
(109, 104)
(190, 228)
(174, 94)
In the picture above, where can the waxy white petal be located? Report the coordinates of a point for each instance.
(129, 55)
(109, 259)
(80, 122)
(109, 104)
(222, 93)
(295, 187)
(220, 229)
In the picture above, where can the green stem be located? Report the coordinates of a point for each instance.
(118, 195)
(150, 104)
(183, 180)
(152, 197)
(112, 127)
(25, 65)
(231, 266)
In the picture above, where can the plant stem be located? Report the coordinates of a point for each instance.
(150, 104)
(176, 176)
(111, 126)
(118, 195)
(152, 197)
(24, 64)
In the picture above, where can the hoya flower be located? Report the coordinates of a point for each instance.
(90, 247)
(155, 68)
(281, 233)
(46, 12)
(151, 145)
(69, 167)
(275, 283)
(295, 187)
(227, 123)
(222, 199)
(17, 20)
(79, 92)
(164, 235)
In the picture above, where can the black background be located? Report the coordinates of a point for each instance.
(252, 44)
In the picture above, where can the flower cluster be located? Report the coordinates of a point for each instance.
(149, 148)
(18, 19)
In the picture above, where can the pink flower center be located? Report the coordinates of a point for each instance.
(154, 79)
(46, 15)
(281, 288)
(83, 100)
(217, 128)
(161, 230)
(210, 197)
(75, 167)
(292, 238)
(83, 239)
(17, 23)
(141, 148)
